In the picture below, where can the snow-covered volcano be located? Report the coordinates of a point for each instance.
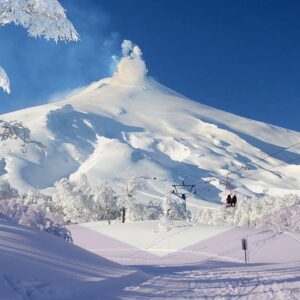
(130, 124)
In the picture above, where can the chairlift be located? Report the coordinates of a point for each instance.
(230, 197)
(183, 191)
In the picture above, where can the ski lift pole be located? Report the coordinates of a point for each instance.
(245, 248)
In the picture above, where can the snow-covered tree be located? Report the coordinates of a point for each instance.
(2, 165)
(34, 213)
(37, 199)
(153, 210)
(4, 81)
(74, 199)
(174, 208)
(165, 220)
(18, 131)
(105, 202)
(286, 219)
(41, 18)
(32, 209)
(7, 191)
(268, 212)
(127, 200)
(61, 231)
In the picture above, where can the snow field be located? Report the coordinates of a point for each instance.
(38, 266)
(219, 280)
(183, 242)
(208, 263)
(152, 237)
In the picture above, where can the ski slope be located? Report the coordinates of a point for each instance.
(148, 242)
(192, 261)
(130, 124)
(219, 280)
(39, 266)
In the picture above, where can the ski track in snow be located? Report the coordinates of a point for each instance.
(38, 266)
(213, 268)
(213, 281)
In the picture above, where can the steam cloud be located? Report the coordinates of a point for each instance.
(131, 69)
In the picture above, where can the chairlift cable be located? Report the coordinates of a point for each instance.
(264, 170)
(270, 155)
(281, 164)
(255, 162)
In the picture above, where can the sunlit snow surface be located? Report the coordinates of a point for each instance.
(150, 236)
(192, 261)
(109, 130)
(38, 266)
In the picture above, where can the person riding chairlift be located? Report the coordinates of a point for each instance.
(234, 200)
(228, 200)
(231, 201)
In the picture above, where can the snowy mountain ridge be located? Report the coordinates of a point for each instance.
(130, 124)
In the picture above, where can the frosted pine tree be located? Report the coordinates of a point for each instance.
(41, 18)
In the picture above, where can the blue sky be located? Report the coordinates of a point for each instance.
(236, 55)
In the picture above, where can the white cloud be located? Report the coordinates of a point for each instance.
(126, 47)
(131, 68)
(136, 51)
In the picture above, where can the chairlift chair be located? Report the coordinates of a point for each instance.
(183, 191)
(230, 197)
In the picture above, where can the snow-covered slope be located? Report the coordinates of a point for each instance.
(192, 261)
(130, 124)
(37, 265)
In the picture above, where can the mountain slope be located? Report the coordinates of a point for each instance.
(130, 124)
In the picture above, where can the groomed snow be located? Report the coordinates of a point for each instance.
(210, 267)
(151, 236)
(183, 242)
(219, 280)
(38, 266)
